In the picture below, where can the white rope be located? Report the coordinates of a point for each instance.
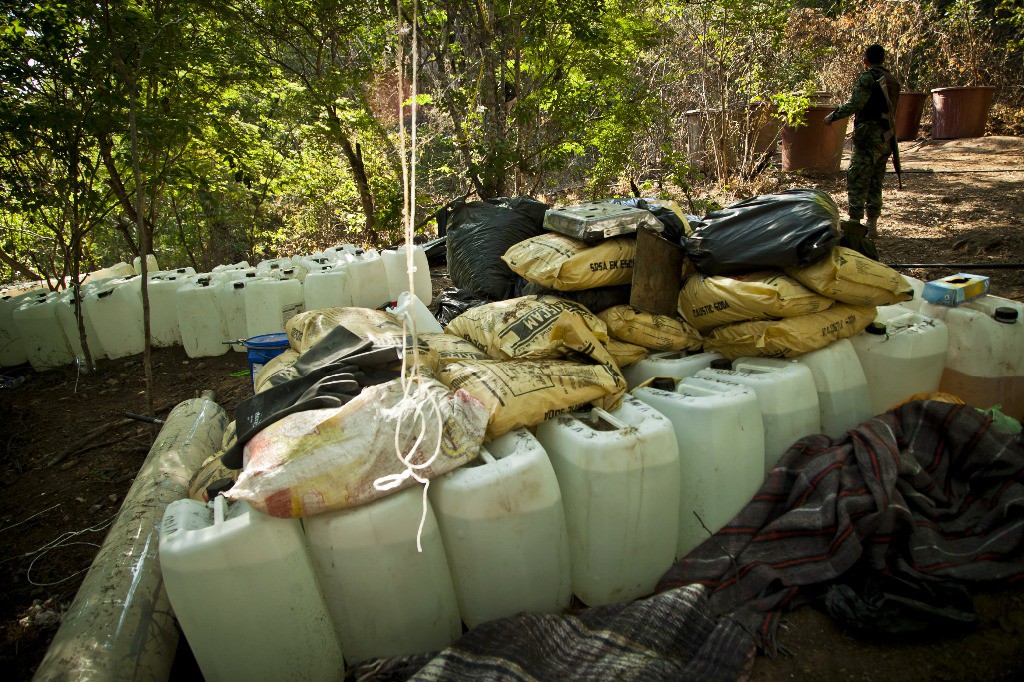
(422, 405)
(62, 540)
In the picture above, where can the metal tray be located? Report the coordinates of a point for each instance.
(597, 220)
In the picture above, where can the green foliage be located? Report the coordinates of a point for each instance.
(270, 127)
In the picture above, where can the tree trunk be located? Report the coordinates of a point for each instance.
(354, 156)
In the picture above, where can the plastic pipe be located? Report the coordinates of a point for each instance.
(120, 625)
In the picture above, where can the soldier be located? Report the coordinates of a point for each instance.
(873, 102)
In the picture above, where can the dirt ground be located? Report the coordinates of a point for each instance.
(962, 203)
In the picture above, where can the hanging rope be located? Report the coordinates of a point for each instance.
(422, 407)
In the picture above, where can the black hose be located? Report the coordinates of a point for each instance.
(143, 418)
(960, 266)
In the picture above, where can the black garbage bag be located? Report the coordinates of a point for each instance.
(791, 229)
(453, 302)
(479, 234)
(892, 605)
(674, 228)
(595, 300)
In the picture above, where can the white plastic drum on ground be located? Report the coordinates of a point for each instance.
(901, 356)
(504, 532)
(243, 589)
(396, 267)
(270, 303)
(844, 400)
(985, 358)
(368, 279)
(327, 286)
(386, 598)
(675, 364)
(720, 435)
(115, 309)
(41, 333)
(619, 477)
(786, 395)
(200, 319)
(12, 347)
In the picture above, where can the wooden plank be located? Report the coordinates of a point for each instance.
(657, 273)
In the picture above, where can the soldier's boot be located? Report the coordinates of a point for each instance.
(872, 227)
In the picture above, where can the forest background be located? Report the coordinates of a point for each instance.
(210, 133)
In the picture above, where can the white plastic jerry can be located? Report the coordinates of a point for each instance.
(231, 298)
(41, 333)
(115, 309)
(327, 286)
(902, 356)
(504, 532)
(675, 364)
(786, 395)
(397, 269)
(844, 400)
(163, 307)
(199, 317)
(243, 589)
(720, 435)
(12, 346)
(270, 303)
(368, 279)
(68, 319)
(386, 598)
(985, 358)
(619, 477)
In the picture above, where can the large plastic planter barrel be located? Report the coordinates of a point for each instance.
(960, 112)
(756, 126)
(908, 115)
(814, 146)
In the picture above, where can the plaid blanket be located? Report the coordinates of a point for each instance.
(928, 490)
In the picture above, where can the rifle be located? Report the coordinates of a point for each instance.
(890, 134)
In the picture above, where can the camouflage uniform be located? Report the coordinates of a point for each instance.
(870, 143)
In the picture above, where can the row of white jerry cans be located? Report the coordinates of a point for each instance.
(590, 505)
(201, 312)
(974, 351)
(598, 505)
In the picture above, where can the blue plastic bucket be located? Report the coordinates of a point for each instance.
(263, 349)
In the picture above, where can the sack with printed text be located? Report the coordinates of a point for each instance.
(566, 264)
(709, 302)
(791, 336)
(520, 327)
(850, 277)
(653, 332)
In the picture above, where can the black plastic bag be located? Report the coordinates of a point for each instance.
(453, 302)
(479, 234)
(594, 300)
(791, 229)
(674, 228)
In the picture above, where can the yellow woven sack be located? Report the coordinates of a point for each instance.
(624, 353)
(520, 327)
(279, 367)
(709, 302)
(653, 332)
(525, 392)
(851, 277)
(377, 326)
(559, 262)
(789, 337)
